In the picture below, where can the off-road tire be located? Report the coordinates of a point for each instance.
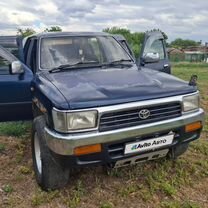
(51, 174)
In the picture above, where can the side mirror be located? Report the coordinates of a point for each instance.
(151, 58)
(16, 68)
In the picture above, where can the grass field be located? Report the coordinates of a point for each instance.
(168, 184)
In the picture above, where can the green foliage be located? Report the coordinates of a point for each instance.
(177, 204)
(168, 189)
(30, 31)
(8, 188)
(17, 129)
(41, 197)
(183, 43)
(53, 29)
(25, 170)
(117, 30)
(74, 198)
(2, 147)
(163, 33)
(25, 32)
(106, 205)
(129, 189)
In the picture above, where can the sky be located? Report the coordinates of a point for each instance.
(187, 19)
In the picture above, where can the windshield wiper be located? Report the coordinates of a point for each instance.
(70, 66)
(119, 62)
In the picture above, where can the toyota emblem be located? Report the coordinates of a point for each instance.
(144, 114)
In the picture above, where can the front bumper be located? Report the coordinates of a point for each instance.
(64, 144)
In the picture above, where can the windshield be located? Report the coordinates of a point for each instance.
(69, 50)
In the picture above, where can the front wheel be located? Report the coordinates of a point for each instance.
(50, 173)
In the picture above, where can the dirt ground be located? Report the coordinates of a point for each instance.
(97, 188)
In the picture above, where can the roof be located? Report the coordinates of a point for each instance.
(174, 50)
(8, 41)
(58, 34)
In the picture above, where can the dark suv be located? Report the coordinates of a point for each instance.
(92, 105)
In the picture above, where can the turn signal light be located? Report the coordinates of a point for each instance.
(84, 150)
(193, 126)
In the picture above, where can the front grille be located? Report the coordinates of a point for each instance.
(130, 117)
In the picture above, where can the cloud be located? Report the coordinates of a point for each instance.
(47, 7)
(186, 19)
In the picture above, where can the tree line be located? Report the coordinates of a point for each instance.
(30, 31)
(135, 39)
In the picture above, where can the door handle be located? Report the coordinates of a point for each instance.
(166, 65)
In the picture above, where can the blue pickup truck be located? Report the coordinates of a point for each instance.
(91, 104)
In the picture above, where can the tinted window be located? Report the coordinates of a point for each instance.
(154, 46)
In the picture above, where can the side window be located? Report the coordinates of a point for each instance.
(155, 47)
(4, 66)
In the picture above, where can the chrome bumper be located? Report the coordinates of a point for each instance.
(64, 144)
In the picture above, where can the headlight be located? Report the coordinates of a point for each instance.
(190, 102)
(82, 120)
(76, 121)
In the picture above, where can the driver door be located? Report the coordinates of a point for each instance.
(15, 96)
(154, 54)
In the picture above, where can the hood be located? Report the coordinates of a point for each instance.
(87, 88)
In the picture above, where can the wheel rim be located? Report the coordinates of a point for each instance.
(37, 153)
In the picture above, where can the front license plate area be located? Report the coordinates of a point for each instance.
(148, 144)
